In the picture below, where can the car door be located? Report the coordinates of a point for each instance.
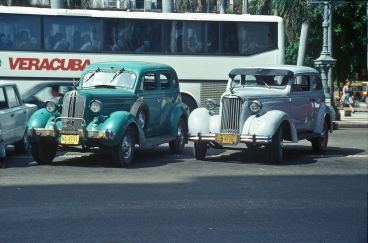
(7, 125)
(170, 95)
(301, 103)
(18, 112)
(150, 93)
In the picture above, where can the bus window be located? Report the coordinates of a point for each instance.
(71, 33)
(19, 32)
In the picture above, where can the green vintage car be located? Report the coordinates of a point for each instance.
(115, 105)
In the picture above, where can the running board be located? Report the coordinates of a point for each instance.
(308, 135)
(161, 139)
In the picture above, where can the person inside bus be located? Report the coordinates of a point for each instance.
(142, 47)
(118, 46)
(55, 39)
(63, 44)
(194, 46)
(24, 40)
(5, 42)
(87, 44)
(250, 46)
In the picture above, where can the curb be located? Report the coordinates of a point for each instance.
(352, 125)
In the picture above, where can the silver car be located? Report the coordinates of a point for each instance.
(14, 115)
(261, 107)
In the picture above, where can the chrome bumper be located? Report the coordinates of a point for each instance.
(254, 139)
(54, 132)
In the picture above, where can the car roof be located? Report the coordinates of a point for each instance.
(134, 66)
(2, 82)
(263, 69)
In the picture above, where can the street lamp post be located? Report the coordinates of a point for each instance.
(325, 62)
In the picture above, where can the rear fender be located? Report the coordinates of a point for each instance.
(177, 112)
(323, 115)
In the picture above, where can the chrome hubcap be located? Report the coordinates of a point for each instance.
(126, 147)
(142, 119)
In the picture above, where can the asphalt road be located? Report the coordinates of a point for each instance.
(232, 196)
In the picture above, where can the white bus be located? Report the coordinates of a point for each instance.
(42, 44)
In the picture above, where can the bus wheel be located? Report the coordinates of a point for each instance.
(177, 145)
(319, 144)
(123, 152)
(189, 102)
(22, 147)
(141, 112)
(200, 150)
(43, 151)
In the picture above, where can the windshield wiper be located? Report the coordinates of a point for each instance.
(265, 83)
(92, 74)
(116, 74)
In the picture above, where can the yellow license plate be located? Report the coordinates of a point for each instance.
(227, 138)
(69, 139)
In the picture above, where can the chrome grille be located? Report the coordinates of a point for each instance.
(230, 115)
(73, 107)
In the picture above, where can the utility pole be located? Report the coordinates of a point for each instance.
(57, 4)
(325, 62)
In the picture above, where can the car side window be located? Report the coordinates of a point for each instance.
(3, 103)
(175, 81)
(148, 82)
(13, 99)
(300, 83)
(165, 81)
(317, 83)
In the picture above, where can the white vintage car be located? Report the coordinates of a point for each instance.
(263, 106)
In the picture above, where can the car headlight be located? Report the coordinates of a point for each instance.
(51, 106)
(210, 104)
(95, 106)
(255, 106)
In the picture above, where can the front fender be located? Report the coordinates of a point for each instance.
(117, 122)
(268, 123)
(203, 121)
(322, 116)
(40, 119)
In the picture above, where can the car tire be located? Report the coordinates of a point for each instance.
(189, 102)
(200, 150)
(22, 147)
(319, 144)
(43, 151)
(123, 152)
(141, 112)
(177, 145)
(276, 146)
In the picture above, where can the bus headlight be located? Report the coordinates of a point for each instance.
(255, 106)
(51, 106)
(210, 104)
(95, 105)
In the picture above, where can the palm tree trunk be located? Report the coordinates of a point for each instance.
(57, 4)
(167, 6)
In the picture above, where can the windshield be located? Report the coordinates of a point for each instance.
(266, 81)
(114, 78)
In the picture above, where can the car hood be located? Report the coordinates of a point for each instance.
(112, 99)
(257, 93)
